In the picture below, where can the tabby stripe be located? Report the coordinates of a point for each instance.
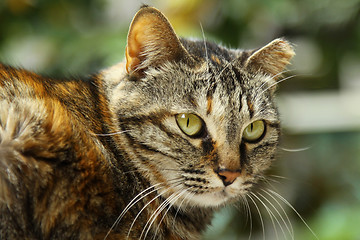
(243, 156)
(250, 108)
(152, 117)
(211, 90)
(192, 186)
(208, 145)
(193, 171)
(172, 135)
(239, 78)
(149, 148)
(275, 125)
(197, 179)
(209, 105)
(264, 145)
(192, 101)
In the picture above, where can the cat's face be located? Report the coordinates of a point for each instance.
(199, 119)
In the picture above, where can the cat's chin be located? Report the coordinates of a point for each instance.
(214, 199)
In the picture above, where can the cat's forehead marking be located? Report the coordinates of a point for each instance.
(209, 105)
(215, 59)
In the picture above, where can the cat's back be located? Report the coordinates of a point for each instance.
(48, 159)
(28, 113)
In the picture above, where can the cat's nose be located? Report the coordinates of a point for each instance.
(228, 176)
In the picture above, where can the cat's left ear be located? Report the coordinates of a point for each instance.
(151, 41)
(271, 59)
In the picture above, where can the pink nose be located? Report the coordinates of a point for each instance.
(228, 176)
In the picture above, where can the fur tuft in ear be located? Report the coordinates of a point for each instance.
(271, 59)
(151, 41)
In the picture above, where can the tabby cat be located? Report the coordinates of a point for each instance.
(146, 149)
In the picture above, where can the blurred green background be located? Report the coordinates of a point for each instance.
(319, 159)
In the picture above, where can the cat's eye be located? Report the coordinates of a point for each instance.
(190, 124)
(254, 131)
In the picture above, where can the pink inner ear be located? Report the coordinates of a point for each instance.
(151, 41)
(145, 35)
(132, 61)
(138, 35)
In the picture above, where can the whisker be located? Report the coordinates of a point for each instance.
(247, 211)
(168, 206)
(260, 216)
(156, 213)
(205, 46)
(277, 82)
(111, 134)
(277, 176)
(271, 214)
(179, 207)
(143, 208)
(283, 210)
(273, 78)
(295, 211)
(280, 215)
(138, 198)
(153, 216)
(135, 200)
(250, 217)
(295, 149)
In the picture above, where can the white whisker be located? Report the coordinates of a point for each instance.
(295, 149)
(156, 213)
(295, 211)
(290, 230)
(283, 210)
(168, 206)
(271, 214)
(143, 208)
(248, 214)
(277, 82)
(272, 78)
(135, 200)
(259, 212)
(111, 134)
(205, 46)
(179, 207)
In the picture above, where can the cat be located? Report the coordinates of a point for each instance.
(146, 149)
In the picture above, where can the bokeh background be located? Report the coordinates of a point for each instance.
(318, 170)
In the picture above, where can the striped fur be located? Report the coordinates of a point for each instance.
(103, 157)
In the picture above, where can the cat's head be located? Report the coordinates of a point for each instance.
(197, 119)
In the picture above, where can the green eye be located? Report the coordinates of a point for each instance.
(254, 131)
(190, 124)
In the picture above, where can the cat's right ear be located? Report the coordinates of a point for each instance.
(151, 41)
(271, 59)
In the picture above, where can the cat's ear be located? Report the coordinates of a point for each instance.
(272, 58)
(151, 41)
